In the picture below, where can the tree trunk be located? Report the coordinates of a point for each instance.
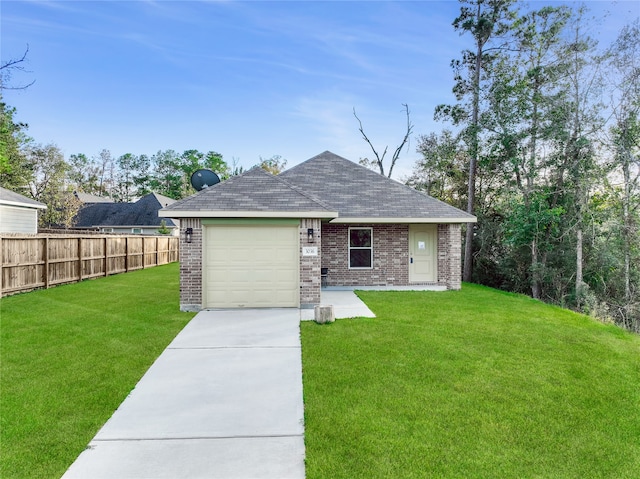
(473, 165)
(626, 231)
(536, 289)
(579, 277)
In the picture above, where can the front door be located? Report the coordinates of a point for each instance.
(423, 266)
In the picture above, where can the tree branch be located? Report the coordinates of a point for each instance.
(378, 158)
(13, 65)
(407, 135)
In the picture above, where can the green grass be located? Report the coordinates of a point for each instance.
(470, 384)
(70, 355)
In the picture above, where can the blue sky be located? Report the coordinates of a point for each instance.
(246, 79)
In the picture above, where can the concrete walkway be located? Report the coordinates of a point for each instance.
(224, 400)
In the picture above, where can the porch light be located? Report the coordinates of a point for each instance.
(310, 235)
(188, 233)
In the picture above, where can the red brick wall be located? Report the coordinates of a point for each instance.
(191, 266)
(390, 256)
(449, 255)
(390, 259)
(310, 265)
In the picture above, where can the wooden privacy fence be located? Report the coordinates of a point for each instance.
(42, 261)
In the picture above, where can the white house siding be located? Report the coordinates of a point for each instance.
(14, 219)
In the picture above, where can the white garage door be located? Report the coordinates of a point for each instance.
(248, 266)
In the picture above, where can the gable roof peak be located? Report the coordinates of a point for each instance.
(361, 193)
(254, 192)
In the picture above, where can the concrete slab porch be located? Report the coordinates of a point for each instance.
(347, 305)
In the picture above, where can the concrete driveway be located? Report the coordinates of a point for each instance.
(224, 400)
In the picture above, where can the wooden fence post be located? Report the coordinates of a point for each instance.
(106, 259)
(79, 259)
(46, 263)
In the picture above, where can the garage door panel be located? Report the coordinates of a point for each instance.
(251, 266)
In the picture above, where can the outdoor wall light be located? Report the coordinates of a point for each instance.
(188, 233)
(310, 235)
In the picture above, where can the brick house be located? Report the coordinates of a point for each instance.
(259, 240)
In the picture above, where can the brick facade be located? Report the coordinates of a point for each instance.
(390, 259)
(449, 255)
(191, 266)
(310, 265)
(390, 256)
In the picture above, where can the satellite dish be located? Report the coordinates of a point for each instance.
(202, 179)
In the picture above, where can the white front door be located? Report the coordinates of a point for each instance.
(423, 247)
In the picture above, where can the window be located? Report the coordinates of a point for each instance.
(136, 231)
(107, 230)
(361, 248)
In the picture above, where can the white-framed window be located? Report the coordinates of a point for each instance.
(360, 248)
(107, 230)
(136, 231)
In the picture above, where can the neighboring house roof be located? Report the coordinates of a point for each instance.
(254, 193)
(143, 212)
(8, 197)
(329, 186)
(89, 198)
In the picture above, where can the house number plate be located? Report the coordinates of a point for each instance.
(309, 251)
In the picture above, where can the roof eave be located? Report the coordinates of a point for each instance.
(23, 205)
(130, 226)
(246, 214)
(374, 220)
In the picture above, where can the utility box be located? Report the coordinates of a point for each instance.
(324, 314)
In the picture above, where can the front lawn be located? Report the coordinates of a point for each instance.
(70, 355)
(470, 384)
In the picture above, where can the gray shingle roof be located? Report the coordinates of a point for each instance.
(12, 198)
(256, 191)
(325, 183)
(143, 212)
(357, 192)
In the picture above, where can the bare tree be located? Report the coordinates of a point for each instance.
(379, 159)
(7, 68)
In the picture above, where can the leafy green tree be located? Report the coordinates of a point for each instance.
(106, 172)
(484, 20)
(526, 114)
(215, 162)
(163, 230)
(167, 178)
(134, 177)
(125, 190)
(441, 170)
(171, 172)
(274, 165)
(15, 169)
(50, 186)
(624, 142)
(84, 174)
